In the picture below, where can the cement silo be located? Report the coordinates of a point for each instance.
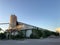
(13, 22)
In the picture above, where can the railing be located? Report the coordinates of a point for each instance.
(3, 23)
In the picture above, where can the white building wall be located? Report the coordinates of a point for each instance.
(28, 33)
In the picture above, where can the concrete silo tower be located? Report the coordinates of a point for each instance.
(13, 22)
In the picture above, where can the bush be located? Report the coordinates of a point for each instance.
(2, 36)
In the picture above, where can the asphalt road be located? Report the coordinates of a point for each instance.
(47, 41)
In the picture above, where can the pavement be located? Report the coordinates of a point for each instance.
(46, 41)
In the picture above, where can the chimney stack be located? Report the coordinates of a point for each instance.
(13, 22)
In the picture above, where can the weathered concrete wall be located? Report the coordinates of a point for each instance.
(12, 23)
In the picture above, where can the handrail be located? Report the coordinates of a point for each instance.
(3, 23)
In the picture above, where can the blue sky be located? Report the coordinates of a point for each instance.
(40, 13)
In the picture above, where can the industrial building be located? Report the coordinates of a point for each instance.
(20, 30)
(15, 26)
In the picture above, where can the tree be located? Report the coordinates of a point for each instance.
(36, 33)
(0, 29)
(46, 33)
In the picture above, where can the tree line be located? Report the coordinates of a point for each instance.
(36, 34)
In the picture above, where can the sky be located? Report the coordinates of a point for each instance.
(41, 13)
